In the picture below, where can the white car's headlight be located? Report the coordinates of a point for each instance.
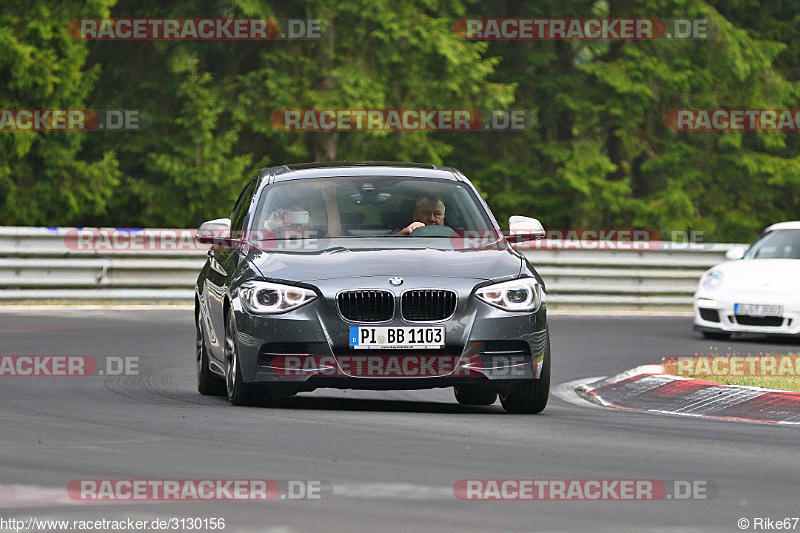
(712, 279)
(264, 298)
(517, 295)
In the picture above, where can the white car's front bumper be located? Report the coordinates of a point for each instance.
(714, 312)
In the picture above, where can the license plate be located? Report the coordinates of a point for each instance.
(397, 337)
(758, 310)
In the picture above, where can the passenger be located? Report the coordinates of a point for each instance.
(294, 220)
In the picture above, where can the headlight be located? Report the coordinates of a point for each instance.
(264, 298)
(712, 280)
(518, 295)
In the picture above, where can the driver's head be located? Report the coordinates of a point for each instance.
(430, 211)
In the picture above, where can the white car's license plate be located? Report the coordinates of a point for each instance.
(758, 310)
(397, 337)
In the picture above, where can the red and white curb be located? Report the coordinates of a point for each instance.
(646, 388)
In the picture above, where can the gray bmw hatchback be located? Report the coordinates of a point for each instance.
(378, 276)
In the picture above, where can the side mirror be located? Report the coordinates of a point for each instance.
(214, 231)
(524, 229)
(735, 253)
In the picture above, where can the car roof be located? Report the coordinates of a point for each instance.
(359, 168)
(784, 225)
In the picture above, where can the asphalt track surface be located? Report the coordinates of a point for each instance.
(391, 457)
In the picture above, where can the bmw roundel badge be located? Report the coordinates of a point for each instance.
(396, 281)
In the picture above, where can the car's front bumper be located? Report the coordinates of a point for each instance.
(309, 347)
(714, 312)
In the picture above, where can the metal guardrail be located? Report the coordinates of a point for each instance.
(43, 265)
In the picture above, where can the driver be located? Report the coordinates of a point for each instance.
(429, 212)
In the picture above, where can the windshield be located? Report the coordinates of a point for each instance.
(362, 207)
(778, 244)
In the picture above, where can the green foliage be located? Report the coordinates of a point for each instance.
(601, 146)
(196, 163)
(42, 180)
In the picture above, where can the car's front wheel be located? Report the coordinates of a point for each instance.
(208, 383)
(239, 392)
(530, 396)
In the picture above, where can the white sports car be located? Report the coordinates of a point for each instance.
(757, 291)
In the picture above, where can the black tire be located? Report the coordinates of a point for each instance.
(530, 396)
(716, 335)
(474, 396)
(239, 392)
(208, 383)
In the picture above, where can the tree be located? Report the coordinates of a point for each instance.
(42, 181)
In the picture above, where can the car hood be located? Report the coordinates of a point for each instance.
(350, 258)
(761, 275)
